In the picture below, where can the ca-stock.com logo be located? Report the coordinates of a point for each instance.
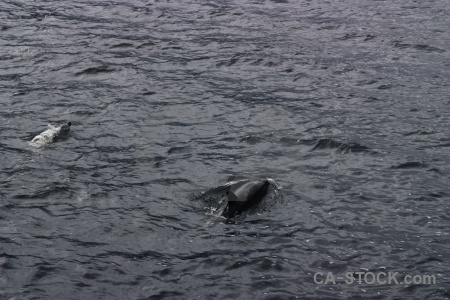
(328, 278)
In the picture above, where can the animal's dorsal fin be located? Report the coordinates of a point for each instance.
(232, 197)
(239, 192)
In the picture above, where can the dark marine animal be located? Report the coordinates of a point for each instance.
(244, 195)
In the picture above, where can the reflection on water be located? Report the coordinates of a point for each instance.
(344, 105)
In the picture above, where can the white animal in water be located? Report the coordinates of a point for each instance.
(49, 135)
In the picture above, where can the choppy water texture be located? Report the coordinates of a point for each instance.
(345, 104)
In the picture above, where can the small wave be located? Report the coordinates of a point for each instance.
(84, 244)
(148, 93)
(251, 139)
(7, 241)
(148, 44)
(366, 82)
(139, 256)
(95, 70)
(410, 165)
(175, 150)
(44, 270)
(43, 193)
(420, 47)
(228, 63)
(166, 295)
(342, 147)
(385, 87)
(321, 144)
(121, 45)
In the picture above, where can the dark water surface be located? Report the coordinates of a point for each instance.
(345, 104)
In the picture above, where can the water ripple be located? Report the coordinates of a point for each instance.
(345, 105)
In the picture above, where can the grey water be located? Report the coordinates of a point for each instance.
(344, 104)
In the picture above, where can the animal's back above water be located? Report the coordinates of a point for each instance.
(49, 135)
(243, 195)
